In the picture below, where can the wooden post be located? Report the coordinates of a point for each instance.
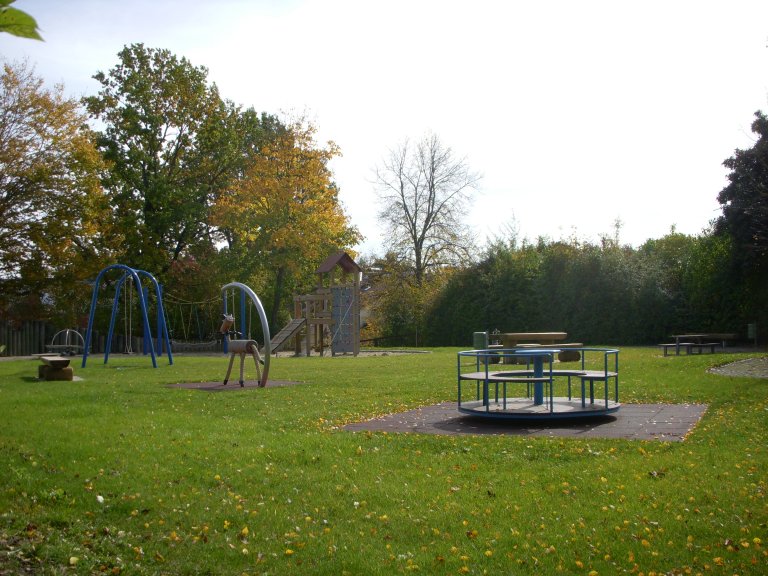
(297, 314)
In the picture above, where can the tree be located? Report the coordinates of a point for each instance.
(285, 214)
(392, 303)
(745, 199)
(16, 22)
(423, 191)
(54, 222)
(173, 145)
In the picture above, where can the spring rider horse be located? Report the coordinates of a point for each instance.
(240, 348)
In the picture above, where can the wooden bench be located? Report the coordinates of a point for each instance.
(700, 341)
(702, 345)
(569, 355)
(55, 368)
(495, 359)
(512, 340)
(564, 355)
(677, 347)
(689, 347)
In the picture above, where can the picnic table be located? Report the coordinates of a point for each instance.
(700, 342)
(512, 339)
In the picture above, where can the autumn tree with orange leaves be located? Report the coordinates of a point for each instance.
(55, 227)
(284, 216)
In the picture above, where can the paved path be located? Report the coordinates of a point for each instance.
(750, 368)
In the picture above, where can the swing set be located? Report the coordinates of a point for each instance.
(191, 324)
(134, 279)
(195, 325)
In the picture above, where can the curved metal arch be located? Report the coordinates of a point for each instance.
(264, 324)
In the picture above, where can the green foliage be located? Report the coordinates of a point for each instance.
(144, 190)
(16, 22)
(393, 303)
(206, 193)
(608, 293)
(745, 221)
(121, 474)
(486, 296)
(745, 200)
(173, 145)
(183, 173)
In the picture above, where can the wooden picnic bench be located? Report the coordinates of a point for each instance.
(700, 346)
(512, 339)
(699, 342)
(55, 367)
(676, 347)
(541, 340)
(565, 355)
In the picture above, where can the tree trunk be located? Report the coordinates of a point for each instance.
(279, 282)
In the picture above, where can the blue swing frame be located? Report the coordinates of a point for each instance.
(162, 330)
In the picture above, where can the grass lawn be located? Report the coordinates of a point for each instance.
(120, 474)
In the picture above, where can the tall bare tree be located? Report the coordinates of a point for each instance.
(424, 191)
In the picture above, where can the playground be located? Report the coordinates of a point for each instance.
(130, 474)
(374, 462)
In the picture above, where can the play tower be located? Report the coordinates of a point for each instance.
(332, 309)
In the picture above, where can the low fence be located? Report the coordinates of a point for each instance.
(392, 341)
(25, 338)
(33, 337)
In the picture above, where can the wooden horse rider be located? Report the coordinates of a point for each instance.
(240, 348)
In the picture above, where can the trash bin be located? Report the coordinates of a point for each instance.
(480, 340)
(752, 332)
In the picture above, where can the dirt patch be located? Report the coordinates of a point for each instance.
(232, 386)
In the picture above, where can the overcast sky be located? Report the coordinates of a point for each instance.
(576, 113)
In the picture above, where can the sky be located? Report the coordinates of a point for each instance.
(578, 115)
